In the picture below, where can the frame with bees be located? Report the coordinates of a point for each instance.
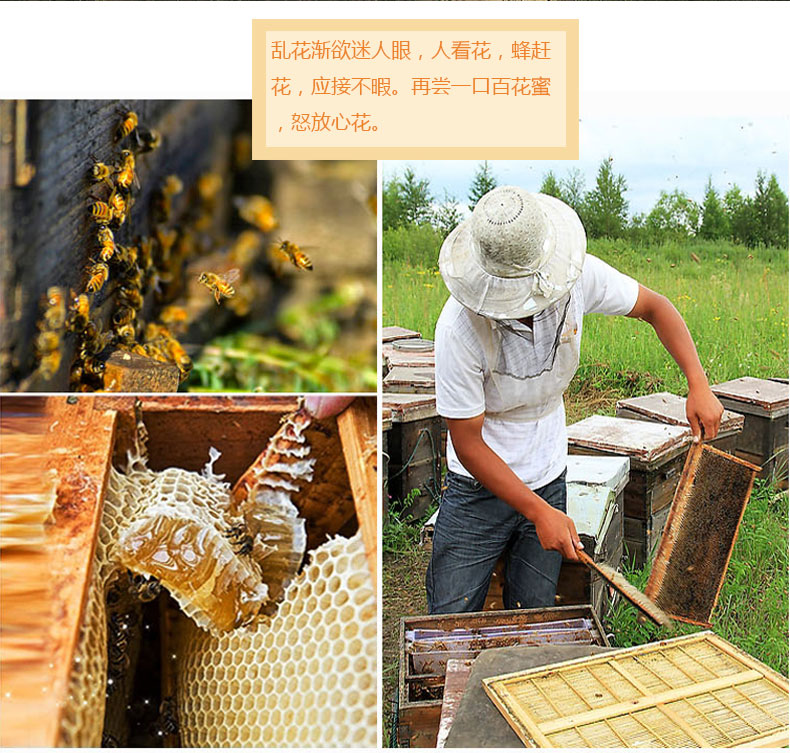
(150, 221)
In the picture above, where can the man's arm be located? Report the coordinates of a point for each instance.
(555, 529)
(703, 408)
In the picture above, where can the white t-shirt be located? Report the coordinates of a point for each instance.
(466, 386)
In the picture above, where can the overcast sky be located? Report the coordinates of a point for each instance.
(652, 154)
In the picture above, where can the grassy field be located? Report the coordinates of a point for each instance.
(735, 303)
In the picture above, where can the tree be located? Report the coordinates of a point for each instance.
(483, 182)
(573, 190)
(447, 215)
(551, 186)
(715, 224)
(770, 212)
(605, 208)
(674, 215)
(740, 215)
(406, 201)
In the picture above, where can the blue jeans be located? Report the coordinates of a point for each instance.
(473, 529)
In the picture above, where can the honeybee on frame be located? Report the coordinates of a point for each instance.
(220, 285)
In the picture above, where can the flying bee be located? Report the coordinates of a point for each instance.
(242, 151)
(294, 254)
(126, 126)
(98, 272)
(55, 311)
(125, 175)
(220, 285)
(163, 198)
(48, 353)
(208, 186)
(145, 246)
(148, 139)
(120, 207)
(173, 316)
(258, 211)
(239, 538)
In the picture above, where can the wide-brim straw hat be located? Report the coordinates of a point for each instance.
(516, 255)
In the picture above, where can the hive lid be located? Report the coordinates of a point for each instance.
(643, 441)
(671, 409)
(611, 471)
(409, 379)
(409, 407)
(409, 356)
(591, 508)
(415, 345)
(755, 395)
(389, 334)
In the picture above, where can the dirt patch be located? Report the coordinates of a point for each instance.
(404, 594)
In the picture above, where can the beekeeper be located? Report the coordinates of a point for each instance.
(507, 347)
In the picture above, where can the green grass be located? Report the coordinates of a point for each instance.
(734, 302)
(753, 603)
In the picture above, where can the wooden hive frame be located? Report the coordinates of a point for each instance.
(90, 432)
(673, 563)
(618, 686)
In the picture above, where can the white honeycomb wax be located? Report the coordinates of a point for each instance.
(306, 679)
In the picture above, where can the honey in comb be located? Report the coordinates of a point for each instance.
(695, 549)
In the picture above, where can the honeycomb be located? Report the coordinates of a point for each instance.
(305, 679)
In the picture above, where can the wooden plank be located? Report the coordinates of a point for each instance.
(458, 671)
(131, 372)
(390, 334)
(357, 428)
(80, 450)
(409, 407)
(412, 381)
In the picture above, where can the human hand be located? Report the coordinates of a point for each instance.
(704, 412)
(556, 531)
(324, 406)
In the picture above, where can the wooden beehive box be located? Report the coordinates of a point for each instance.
(89, 433)
(420, 694)
(413, 353)
(656, 452)
(764, 405)
(596, 487)
(666, 408)
(414, 445)
(391, 334)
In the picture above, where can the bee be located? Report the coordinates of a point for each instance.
(180, 357)
(109, 741)
(292, 252)
(120, 207)
(101, 172)
(94, 341)
(80, 313)
(168, 716)
(148, 139)
(173, 316)
(143, 587)
(127, 257)
(126, 126)
(98, 273)
(163, 205)
(76, 375)
(208, 186)
(145, 247)
(166, 239)
(55, 312)
(258, 211)
(126, 333)
(48, 352)
(220, 285)
(131, 297)
(94, 367)
(101, 212)
(107, 242)
(125, 175)
(246, 247)
(239, 537)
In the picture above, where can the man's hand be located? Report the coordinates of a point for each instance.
(557, 532)
(704, 412)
